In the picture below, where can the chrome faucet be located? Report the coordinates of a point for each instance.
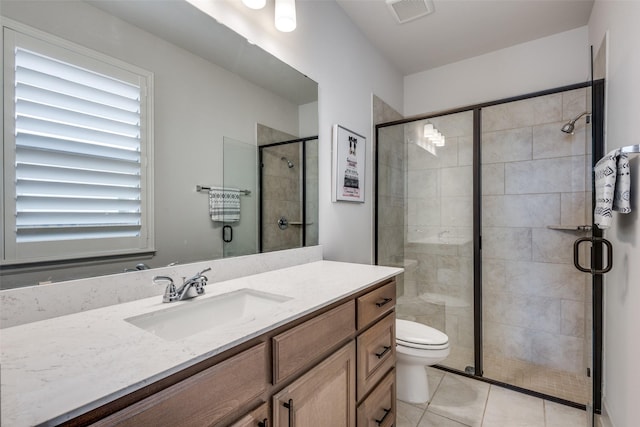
(190, 288)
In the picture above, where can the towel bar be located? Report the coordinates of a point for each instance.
(630, 149)
(207, 188)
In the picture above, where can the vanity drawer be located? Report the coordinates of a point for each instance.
(376, 303)
(376, 353)
(379, 409)
(296, 348)
(203, 399)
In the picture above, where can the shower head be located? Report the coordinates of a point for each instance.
(570, 126)
(289, 163)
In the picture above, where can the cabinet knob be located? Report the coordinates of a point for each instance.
(263, 423)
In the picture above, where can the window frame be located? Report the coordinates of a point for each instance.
(15, 34)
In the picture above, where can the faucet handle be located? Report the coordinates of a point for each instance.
(170, 292)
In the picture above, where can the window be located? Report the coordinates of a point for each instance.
(77, 182)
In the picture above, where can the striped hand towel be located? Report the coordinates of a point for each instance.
(224, 204)
(613, 185)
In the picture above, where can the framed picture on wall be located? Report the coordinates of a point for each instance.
(348, 164)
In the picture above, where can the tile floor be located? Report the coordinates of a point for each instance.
(565, 385)
(458, 401)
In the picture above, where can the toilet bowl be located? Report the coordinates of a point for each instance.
(417, 346)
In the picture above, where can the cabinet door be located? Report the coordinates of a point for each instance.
(259, 417)
(324, 396)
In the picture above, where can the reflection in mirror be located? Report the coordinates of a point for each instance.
(202, 107)
(288, 183)
(241, 173)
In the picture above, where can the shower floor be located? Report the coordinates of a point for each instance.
(564, 385)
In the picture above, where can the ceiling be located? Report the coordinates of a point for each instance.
(182, 24)
(460, 29)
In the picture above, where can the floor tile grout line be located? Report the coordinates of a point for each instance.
(486, 403)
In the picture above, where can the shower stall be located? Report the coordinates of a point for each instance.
(484, 223)
(278, 184)
(288, 194)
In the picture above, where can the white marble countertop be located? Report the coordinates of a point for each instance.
(56, 369)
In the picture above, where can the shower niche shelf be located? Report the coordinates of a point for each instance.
(570, 227)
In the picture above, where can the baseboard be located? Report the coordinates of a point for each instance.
(603, 419)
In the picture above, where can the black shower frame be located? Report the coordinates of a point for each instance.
(303, 183)
(597, 128)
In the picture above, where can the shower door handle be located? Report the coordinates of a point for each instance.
(227, 234)
(593, 240)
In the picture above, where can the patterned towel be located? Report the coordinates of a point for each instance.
(613, 185)
(224, 204)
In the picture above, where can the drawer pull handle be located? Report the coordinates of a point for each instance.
(263, 423)
(289, 406)
(386, 350)
(384, 302)
(384, 417)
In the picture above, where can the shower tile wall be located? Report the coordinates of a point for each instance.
(438, 240)
(534, 176)
(282, 195)
(282, 191)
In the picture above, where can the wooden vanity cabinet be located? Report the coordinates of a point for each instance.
(376, 353)
(331, 368)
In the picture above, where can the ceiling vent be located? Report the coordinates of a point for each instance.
(408, 10)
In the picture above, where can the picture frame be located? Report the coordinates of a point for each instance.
(348, 164)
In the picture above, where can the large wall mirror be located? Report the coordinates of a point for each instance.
(224, 109)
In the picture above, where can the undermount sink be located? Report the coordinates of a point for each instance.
(198, 315)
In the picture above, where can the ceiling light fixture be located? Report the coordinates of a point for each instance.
(285, 18)
(255, 4)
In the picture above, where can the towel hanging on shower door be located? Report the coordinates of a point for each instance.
(613, 187)
(224, 204)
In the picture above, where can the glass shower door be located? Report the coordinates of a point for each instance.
(425, 224)
(536, 199)
(240, 171)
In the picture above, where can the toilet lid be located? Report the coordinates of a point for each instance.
(417, 333)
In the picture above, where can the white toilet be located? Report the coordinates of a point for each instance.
(417, 346)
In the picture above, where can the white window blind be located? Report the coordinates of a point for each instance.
(79, 172)
(77, 152)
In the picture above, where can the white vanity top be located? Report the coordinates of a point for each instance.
(54, 370)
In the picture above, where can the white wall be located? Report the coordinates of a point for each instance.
(328, 48)
(546, 63)
(622, 285)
